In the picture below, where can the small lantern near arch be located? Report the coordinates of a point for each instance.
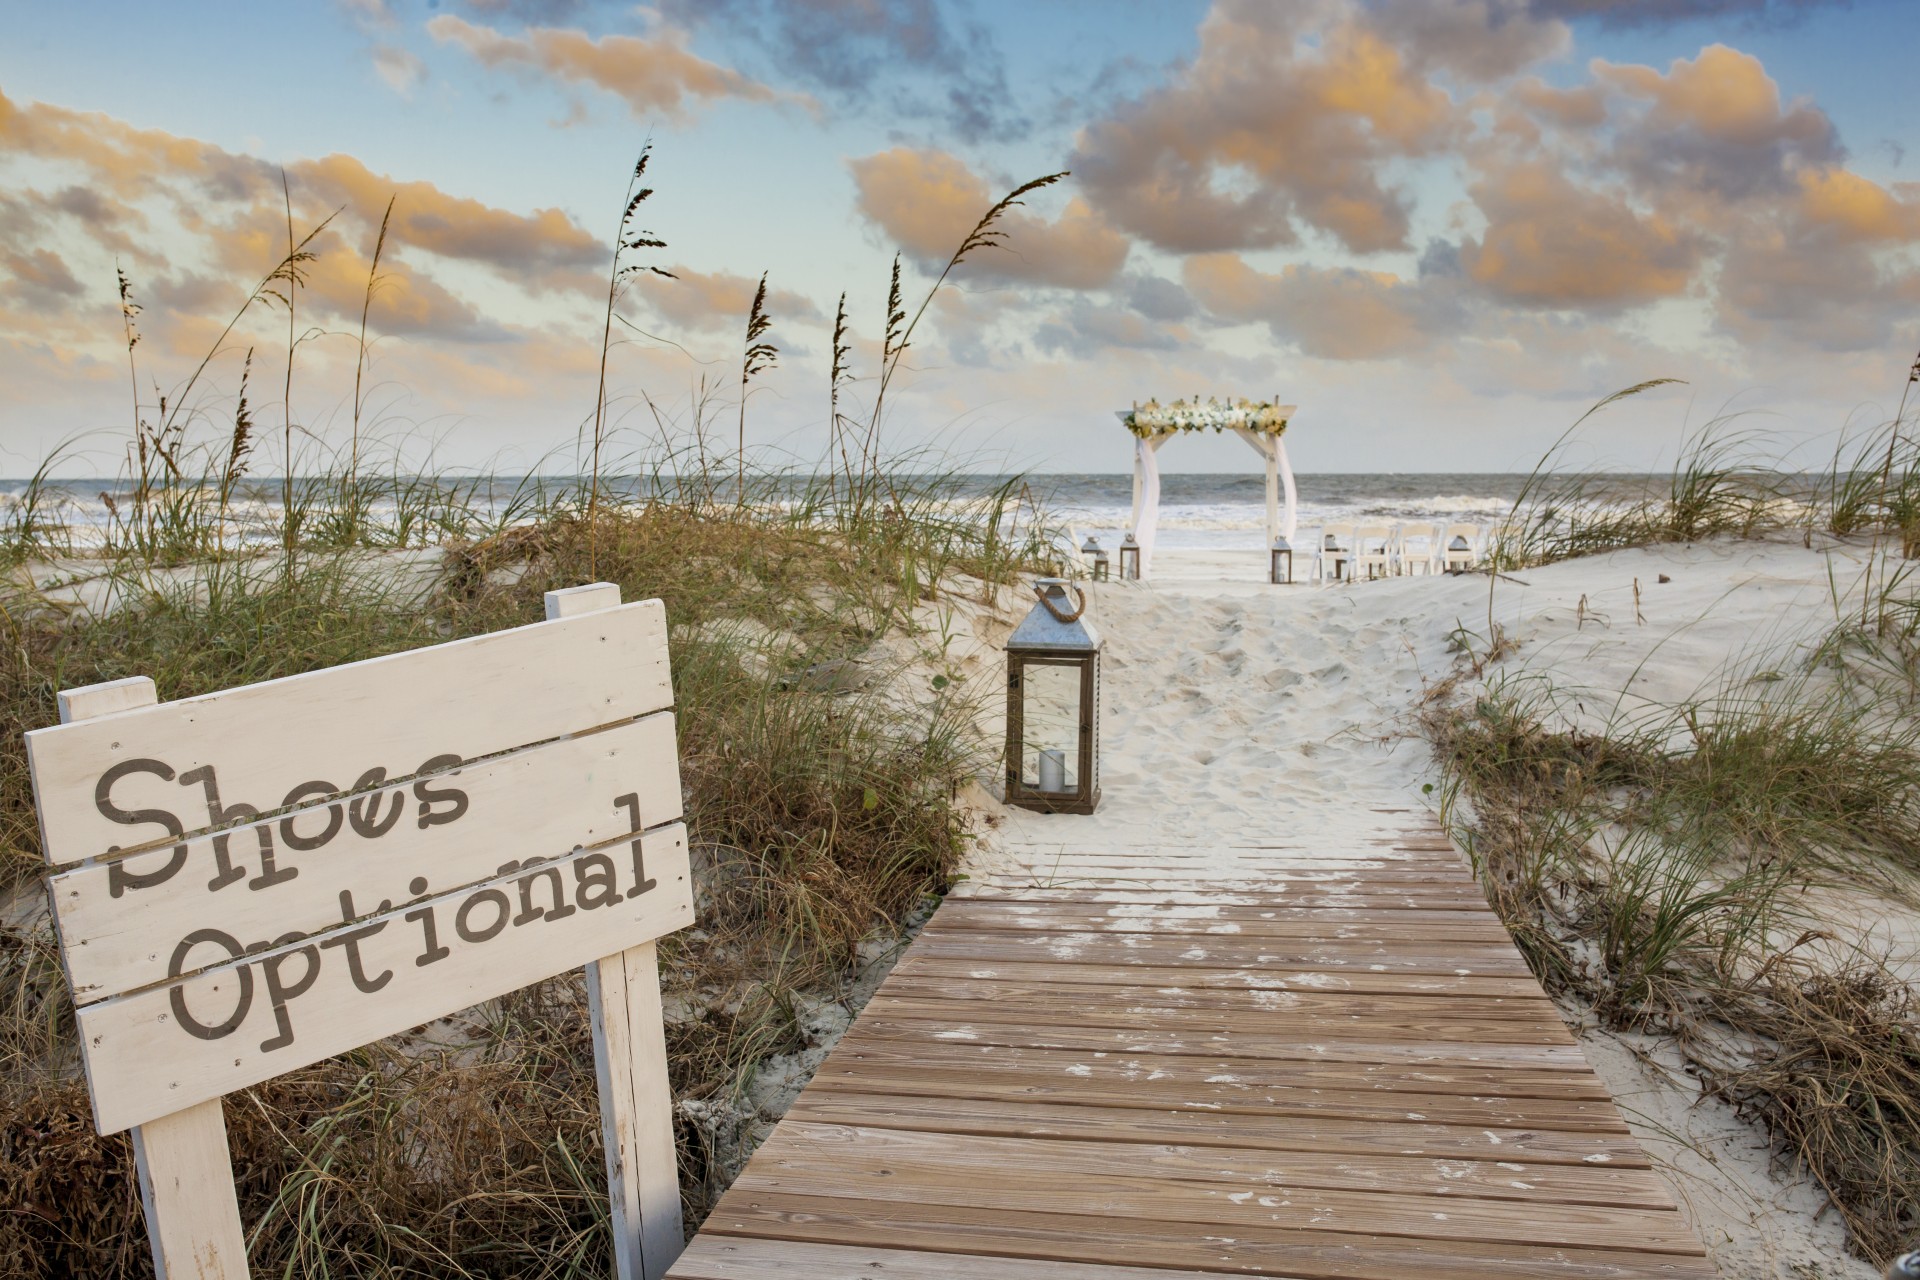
(1053, 705)
(1281, 571)
(1129, 558)
(1095, 556)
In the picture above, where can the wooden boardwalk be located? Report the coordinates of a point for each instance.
(1166, 1061)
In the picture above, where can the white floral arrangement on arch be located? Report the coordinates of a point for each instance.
(1156, 419)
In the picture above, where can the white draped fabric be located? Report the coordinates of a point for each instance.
(1282, 518)
(1146, 497)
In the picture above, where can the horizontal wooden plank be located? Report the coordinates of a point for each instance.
(956, 1173)
(1186, 894)
(262, 745)
(121, 921)
(1235, 1168)
(1427, 1027)
(741, 1258)
(1169, 1082)
(1199, 976)
(237, 1023)
(872, 1048)
(1428, 896)
(1234, 1008)
(1041, 1119)
(1099, 1238)
(1250, 953)
(1266, 924)
(1279, 1046)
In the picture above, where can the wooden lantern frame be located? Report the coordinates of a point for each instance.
(1280, 550)
(1045, 641)
(1129, 560)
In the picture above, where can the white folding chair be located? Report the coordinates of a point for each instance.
(1460, 559)
(1334, 551)
(1420, 546)
(1373, 549)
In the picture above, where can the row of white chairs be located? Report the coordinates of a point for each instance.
(1354, 551)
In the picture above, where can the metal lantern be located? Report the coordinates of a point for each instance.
(1282, 570)
(1129, 558)
(1053, 704)
(1099, 565)
(1459, 555)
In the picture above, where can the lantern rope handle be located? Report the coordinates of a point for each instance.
(1057, 615)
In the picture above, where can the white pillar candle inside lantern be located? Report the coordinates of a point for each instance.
(1053, 705)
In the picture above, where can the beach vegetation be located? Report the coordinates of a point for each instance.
(822, 768)
(1671, 867)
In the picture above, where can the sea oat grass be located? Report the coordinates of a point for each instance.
(1656, 872)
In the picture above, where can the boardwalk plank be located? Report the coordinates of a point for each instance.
(740, 1258)
(1019, 1117)
(1196, 976)
(1236, 1167)
(1442, 1070)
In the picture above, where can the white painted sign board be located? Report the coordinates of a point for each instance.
(253, 880)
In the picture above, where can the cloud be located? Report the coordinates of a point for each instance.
(1338, 313)
(917, 58)
(657, 76)
(712, 300)
(1714, 123)
(459, 227)
(38, 277)
(1086, 331)
(401, 69)
(1274, 126)
(928, 200)
(1550, 243)
(195, 225)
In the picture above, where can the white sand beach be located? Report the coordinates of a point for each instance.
(1237, 714)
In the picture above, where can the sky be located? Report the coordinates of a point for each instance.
(1442, 228)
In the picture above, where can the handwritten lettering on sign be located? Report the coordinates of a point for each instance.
(259, 914)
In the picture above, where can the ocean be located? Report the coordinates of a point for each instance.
(1198, 511)
(1229, 512)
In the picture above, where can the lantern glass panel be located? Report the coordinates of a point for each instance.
(1050, 726)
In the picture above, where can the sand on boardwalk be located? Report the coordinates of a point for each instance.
(1240, 713)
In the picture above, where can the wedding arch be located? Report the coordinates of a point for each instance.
(1263, 425)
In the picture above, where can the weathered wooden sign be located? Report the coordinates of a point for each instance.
(250, 881)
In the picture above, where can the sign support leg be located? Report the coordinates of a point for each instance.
(186, 1188)
(185, 1169)
(636, 1111)
(630, 1063)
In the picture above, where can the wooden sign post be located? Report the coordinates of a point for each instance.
(254, 880)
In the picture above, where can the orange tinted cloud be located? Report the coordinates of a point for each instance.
(929, 200)
(1268, 128)
(719, 299)
(1549, 243)
(1337, 313)
(426, 217)
(652, 76)
(1857, 208)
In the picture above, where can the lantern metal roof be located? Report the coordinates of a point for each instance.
(1041, 630)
